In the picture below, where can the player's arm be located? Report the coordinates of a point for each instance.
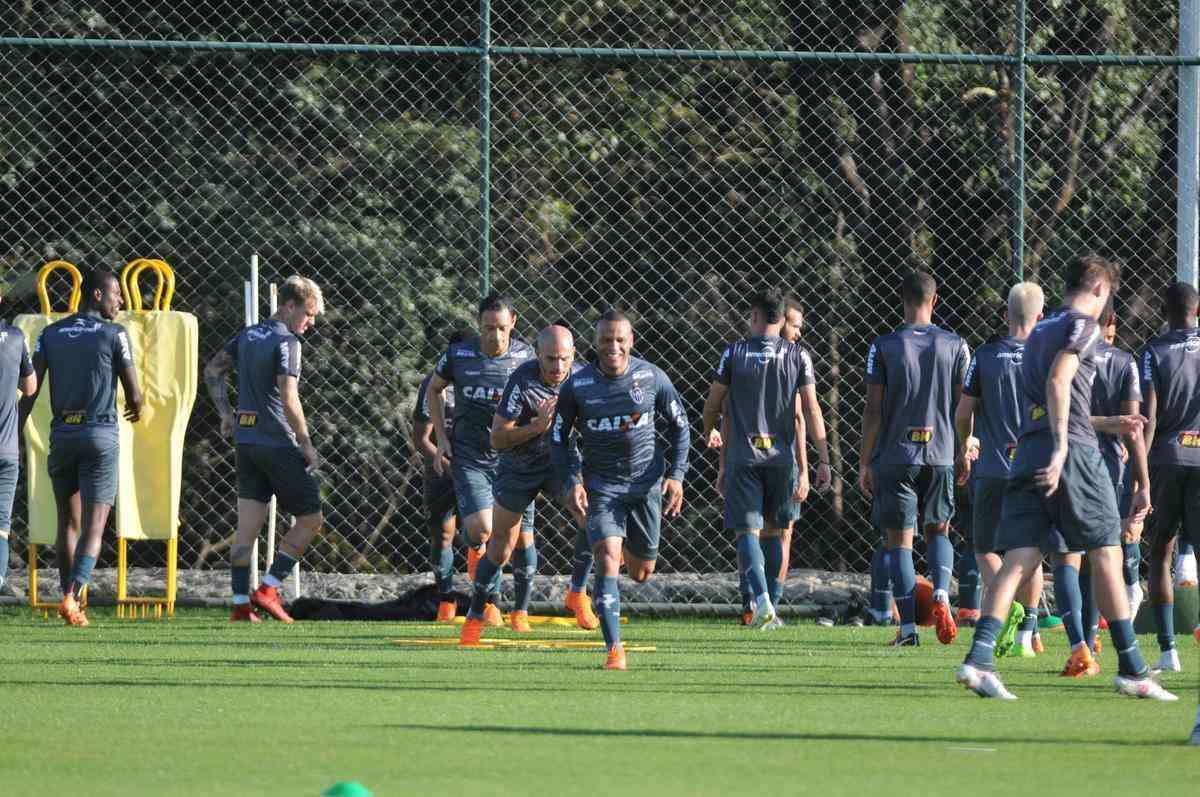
(714, 405)
(435, 396)
(123, 357)
(964, 427)
(218, 389)
(1135, 443)
(802, 485)
(668, 405)
(505, 432)
(565, 412)
(1149, 396)
(287, 379)
(814, 423)
(25, 405)
(422, 428)
(721, 452)
(28, 383)
(1058, 407)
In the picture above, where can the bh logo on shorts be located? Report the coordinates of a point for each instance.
(920, 434)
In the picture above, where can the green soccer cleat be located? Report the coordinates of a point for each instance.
(1016, 651)
(1007, 637)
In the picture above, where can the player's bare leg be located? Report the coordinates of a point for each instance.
(251, 517)
(477, 530)
(70, 511)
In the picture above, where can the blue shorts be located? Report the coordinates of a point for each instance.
(279, 471)
(1122, 484)
(84, 465)
(9, 468)
(635, 518)
(438, 494)
(474, 489)
(1081, 515)
(758, 497)
(900, 488)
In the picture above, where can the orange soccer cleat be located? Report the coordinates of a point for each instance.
(267, 599)
(967, 617)
(1081, 664)
(244, 613)
(580, 604)
(616, 658)
(447, 612)
(1097, 646)
(747, 617)
(947, 631)
(520, 622)
(70, 612)
(1038, 647)
(472, 630)
(492, 616)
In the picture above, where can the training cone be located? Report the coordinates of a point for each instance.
(347, 788)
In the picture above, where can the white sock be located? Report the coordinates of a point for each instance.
(763, 600)
(907, 629)
(941, 596)
(1025, 639)
(240, 600)
(271, 581)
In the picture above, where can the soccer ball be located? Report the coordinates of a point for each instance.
(923, 597)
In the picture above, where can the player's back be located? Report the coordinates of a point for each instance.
(763, 374)
(919, 367)
(1171, 368)
(14, 364)
(995, 380)
(1066, 330)
(83, 354)
(264, 352)
(1116, 381)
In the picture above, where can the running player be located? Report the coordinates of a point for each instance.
(1170, 371)
(914, 379)
(1058, 482)
(520, 432)
(85, 354)
(990, 407)
(16, 375)
(479, 370)
(767, 466)
(438, 493)
(615, 404)
(275, 454)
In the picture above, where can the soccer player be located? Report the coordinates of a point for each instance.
(1058, 482)
(520, 432)
(479, 370)
(16, 375)
(914, 379)
(990, 407)
(438, 493)
(1170, 372)
(766, 463)
(85, 354)
(615, 405)
(275, 454)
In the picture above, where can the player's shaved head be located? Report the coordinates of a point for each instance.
(556, 353)
(918, 288)
(1025, 303)
(1181, 303)
(555, 336)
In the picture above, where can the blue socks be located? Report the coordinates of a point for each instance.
(1133, 562)
(881, 584)
(750, 562)
(524, 566)
(1129, 655)
(3, 558)
(1069, 602)
(1164, 619)
(239, 580)
(969, 584)
(442, 561)
(904, 581)
(281, 568)
(81, 572)
(486, 573)
(983, 647)
(608, 598)
(581, 562)
(772, 551)
(1090, 609)
(941, 563)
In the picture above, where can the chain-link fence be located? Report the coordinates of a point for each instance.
(666, 157)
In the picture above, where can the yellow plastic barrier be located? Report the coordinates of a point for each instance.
(165, 347)
(43, 516)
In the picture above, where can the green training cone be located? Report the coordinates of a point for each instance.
(347, 788)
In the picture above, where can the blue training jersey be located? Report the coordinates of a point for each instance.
(15, 364)
(616, 420)
(994, 380)
(262, 353)
(524, 391)
(1116, 381)
(763, 375)
(1070, 331)
(1171, 371)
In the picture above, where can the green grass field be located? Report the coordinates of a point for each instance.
(197, 707)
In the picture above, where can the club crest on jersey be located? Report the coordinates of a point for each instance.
(1190, 438)
(919, 434)
(620, 423)
(636, 393)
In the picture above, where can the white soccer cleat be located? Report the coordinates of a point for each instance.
(1185, 570)
(764, 615)
(1143, 688)
(1168, 662)
(775, 624)
(984, 683)
(1135, 595)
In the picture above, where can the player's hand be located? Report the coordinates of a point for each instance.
(133, 412)
(441, 463)
(721, 480)
(714, 439)
(1124, 453)
(545, 413)
(802, 489)
(311, 457)
(866, 481)
(1139, 508)
(1048, 476)
(672, 497)
(962, 469)
(824, 478)
(1129, 424)
(577, 503)
(973, 446)
(227, 426)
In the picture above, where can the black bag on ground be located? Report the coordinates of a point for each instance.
(420, 604)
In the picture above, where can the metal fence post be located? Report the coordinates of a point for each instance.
(485, 147)
(1016, 110)
(1189, 145)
